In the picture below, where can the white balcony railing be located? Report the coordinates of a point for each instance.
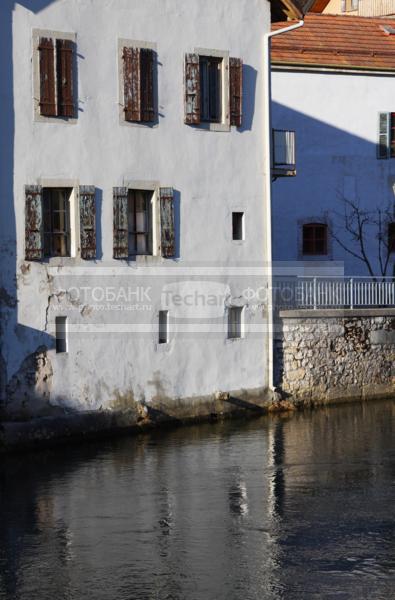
(334, 292)
(284, 164)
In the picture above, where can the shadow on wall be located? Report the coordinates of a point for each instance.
(249, 90)
(8, 268)
(331, 164)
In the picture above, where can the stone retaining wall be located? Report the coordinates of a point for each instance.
(332, 355)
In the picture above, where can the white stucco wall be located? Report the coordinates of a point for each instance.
(212, 173)
(335, 117)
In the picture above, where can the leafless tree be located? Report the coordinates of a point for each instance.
(359, 224)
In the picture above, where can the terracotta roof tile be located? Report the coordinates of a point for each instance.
(337, 41)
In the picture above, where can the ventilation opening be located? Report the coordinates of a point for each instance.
(238, 226)
(235, 327)
(61, 334)
(163, 327)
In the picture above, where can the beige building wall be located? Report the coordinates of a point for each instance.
(366, 8)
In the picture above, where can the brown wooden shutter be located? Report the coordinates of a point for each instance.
(131, 80)
(64, 73)
(34, 247)
(47, 77)
(147, 84)
(236, 91)
(166, 196)
(192, 89)
(120, 200)
(87, 221)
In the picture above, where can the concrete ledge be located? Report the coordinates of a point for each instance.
(336, 313)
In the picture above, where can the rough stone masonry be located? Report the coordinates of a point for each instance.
(335, 355)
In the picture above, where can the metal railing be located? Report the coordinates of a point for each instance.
(333, 292)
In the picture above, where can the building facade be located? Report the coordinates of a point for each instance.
(133, 214)
(333, 86)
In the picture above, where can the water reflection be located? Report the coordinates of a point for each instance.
(279, 507)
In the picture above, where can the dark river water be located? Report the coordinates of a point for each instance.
(277, 507)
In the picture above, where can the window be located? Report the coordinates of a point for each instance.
(238, 226)
(235, 322)
(213, 89)
(56, 211)
(138, 76)
(386, 136)
(139, 222)
(163, 336)
(61, 334)
(349, 5)
(51, 215)
(391, 237)
(210, 89)
(315, 239)
(284, 162)
(144, 221)
(55, 80)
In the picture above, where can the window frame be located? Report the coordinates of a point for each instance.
(152, 187)
(313, 226)
(237, 325)
(51, 232)
(124, 42)
(54, 35)
(224, 124)
(74, 219)
(148, 233)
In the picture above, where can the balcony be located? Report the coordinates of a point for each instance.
(283, 161)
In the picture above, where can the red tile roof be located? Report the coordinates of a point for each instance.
(337, 41)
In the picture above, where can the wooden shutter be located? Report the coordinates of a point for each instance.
(147, 84)
(192, 89)
(47, 77)
(34, 247)
(384, 136)
(236, 90)
(120, 207)
(131, 81)
(64, 74)
(166, 197)
(87, 221)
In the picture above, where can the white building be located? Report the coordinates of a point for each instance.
(333, 86)
(133, 205)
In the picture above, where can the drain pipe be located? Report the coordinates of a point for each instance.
(268, 188)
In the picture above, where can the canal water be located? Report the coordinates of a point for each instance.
(274, 508)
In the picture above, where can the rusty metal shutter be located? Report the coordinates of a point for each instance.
(166, 196)
(47, 77)
(192, 89)
(34, 247)
(87, 221)
(147, 84)
(236, 90)
(131, 83)
(64, 73)
(120, 207)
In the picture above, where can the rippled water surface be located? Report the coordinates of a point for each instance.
(278, 507)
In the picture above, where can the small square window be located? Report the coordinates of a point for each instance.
(56, 212)
(238, 226)
(210, 89)
(139, 222)
(235, 326)
(315, 239)
(163, 336)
